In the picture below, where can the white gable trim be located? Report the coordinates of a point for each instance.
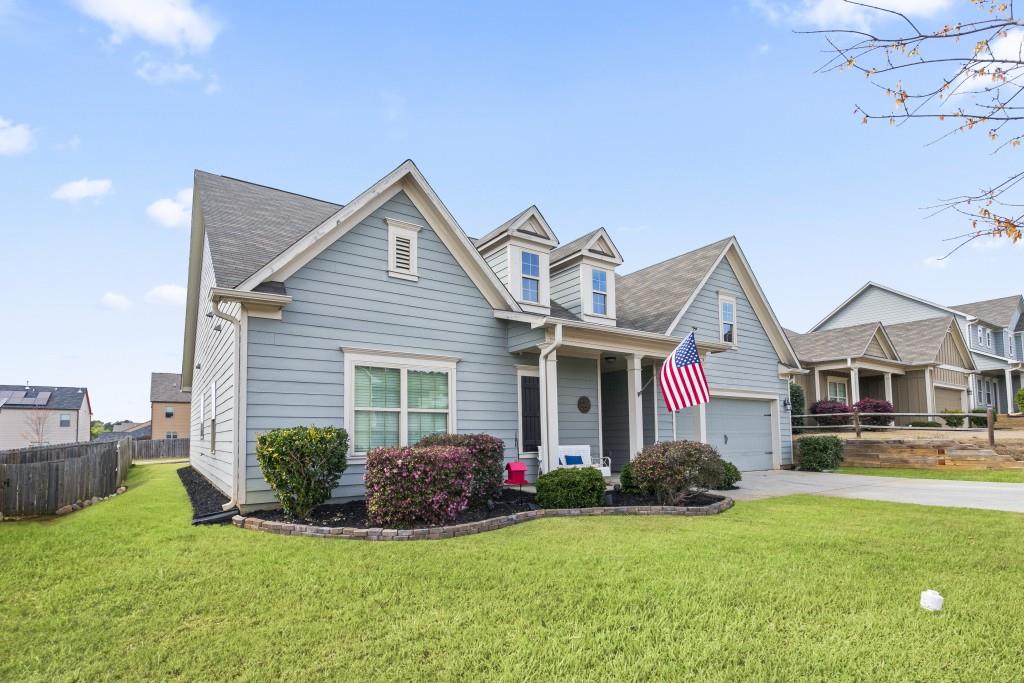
(546, 237)
(919, 300)
(405, 178)
(962, 346)
(885, 342)
(587, 250)
(755, 295)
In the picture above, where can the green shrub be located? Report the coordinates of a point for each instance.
(951, 420)
(983, 420)
(673, 469)
(925, 423)
(570, 487)
(1018, 398)
(627, 482)
(488, 453)
(818, 453)
(731, 476)
(406, 487)
(302, 465)
(797, 403)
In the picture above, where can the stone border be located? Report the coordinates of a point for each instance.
(438, 532)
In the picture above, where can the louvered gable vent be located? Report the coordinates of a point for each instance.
(403, 241)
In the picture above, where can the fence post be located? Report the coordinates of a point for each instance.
(990, 416)
(856, 421)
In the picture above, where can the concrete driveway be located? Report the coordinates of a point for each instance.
(964, 494)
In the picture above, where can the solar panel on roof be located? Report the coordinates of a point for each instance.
(43, 398)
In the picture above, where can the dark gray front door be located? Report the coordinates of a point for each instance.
(531, 414)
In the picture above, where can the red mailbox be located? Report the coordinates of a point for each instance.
(516, 474)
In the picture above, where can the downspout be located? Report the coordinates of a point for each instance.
(237, 324)
(543, 377)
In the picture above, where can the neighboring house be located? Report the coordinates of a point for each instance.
(138, 430)
(41, 416)
(992, 329)
(124, 426)
(170, 413)
(921, 366)
(383, 317)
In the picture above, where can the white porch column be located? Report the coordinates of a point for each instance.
(636, 411)
(549, 411)
(929, 389)
(854, 383)
(972, 392)
(817, 385)
(888, 387)
(1009, 391)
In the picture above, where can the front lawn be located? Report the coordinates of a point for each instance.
(797, 588)
(1008, 476)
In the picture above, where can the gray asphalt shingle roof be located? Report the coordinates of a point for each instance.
(839, 342)
(919, 341)
(996, 311)
(165, 387)
(61, 398)
(649, 299)
(247, 225)
(571, 247)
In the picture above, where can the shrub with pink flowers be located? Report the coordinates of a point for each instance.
(428, 486)
(488, 461)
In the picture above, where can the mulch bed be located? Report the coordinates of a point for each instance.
(205, 498)
(353, 513)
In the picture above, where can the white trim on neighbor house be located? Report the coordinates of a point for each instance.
(723, 299)
(853, 296)
(403, 234)
(524, 371)
(403, 362)
(773, 400)
(834, 379)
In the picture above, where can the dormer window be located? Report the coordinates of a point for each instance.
(403, 243)
(599, 287)
(531, 276)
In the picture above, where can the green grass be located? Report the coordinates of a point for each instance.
(1010, 476)
(796, 588)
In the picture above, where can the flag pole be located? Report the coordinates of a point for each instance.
(674, 427)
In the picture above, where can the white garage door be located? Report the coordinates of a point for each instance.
(741, 430)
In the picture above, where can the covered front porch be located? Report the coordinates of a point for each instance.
(848, 381)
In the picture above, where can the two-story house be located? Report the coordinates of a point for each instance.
(990, 330)
(43, 416)
(170, 406)
(383, 317)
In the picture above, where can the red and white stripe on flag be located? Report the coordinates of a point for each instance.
(682, 379)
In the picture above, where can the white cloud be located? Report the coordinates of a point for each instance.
(77, 190)
(841, 14)
(115, 301)
(935, 262)
(174, 213)
(174, 23)
(159, 72)
(14, 138)
(167, 295)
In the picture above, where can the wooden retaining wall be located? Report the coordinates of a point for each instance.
(924, 454)
(39, 481)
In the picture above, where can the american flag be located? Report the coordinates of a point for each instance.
(682, 379)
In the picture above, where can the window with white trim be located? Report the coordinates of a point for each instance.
(599, 290)
(397, 401)
(988, 338)
(727, 318)
(981, 335)
(171, 435)
(838, 390)
(531, 276)
(65, 420)
(403, 247)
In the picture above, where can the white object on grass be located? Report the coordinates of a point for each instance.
(931, 600)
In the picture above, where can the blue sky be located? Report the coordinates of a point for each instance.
(672, 125)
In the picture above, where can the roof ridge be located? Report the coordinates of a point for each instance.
(677, 256)
(268, 187)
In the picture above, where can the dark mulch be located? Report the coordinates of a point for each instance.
(353, 513)
(205, 498)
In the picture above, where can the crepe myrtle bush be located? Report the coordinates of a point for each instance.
(874, 405)
(302, 465)
(570, 487)
(822, 411)
(409, 486)
(488, 454)
(672, 470)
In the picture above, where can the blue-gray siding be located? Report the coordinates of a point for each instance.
(565, 289)
(577, 377)
(880, 305)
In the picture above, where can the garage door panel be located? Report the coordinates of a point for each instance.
(947, 399)
(741, 430)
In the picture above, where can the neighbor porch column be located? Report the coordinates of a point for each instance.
(817, 385)
(854, 383)
(634, 401)
(888, 387)
(972, 392)
(1009, 390)
(929, 389)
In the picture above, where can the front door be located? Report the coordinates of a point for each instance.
(530, 410)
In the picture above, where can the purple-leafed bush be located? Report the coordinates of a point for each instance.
(822, 409)
(874, 405)
(488, 461)
(410, 486)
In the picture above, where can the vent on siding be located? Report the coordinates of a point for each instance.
(403, 253)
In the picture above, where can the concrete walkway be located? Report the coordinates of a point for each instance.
(945, 493)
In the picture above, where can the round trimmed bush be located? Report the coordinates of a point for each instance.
(673, 470)
(302, 465)
(818, 453)
(952, 420)
(822, 411)
(488, 453)
(627, 482)
(730, 475)
(410, 486)
(570, 487)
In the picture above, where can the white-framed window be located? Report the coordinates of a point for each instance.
(1008, 344)
(395, 400)
(531, 276)
(168, 411)
(403, 248)
(171, 435)
(838, 389)
(988, 338)
(65, 420)
(988, 392)
(599, 290)
(981, 335)
(727, 318)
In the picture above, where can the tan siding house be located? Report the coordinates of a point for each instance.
(170, 406)
(38, 416)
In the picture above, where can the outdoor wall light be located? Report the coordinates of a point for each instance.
(786, 405)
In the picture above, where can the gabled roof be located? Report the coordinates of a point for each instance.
(165, 387)
(247, 224)
(999, 312)
(528, 223)
(939, 308)
(42, 397)
(919, 341)
(839, 342)
(597, 243)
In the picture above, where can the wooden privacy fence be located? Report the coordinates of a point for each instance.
(39, 481)
(155, 450)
